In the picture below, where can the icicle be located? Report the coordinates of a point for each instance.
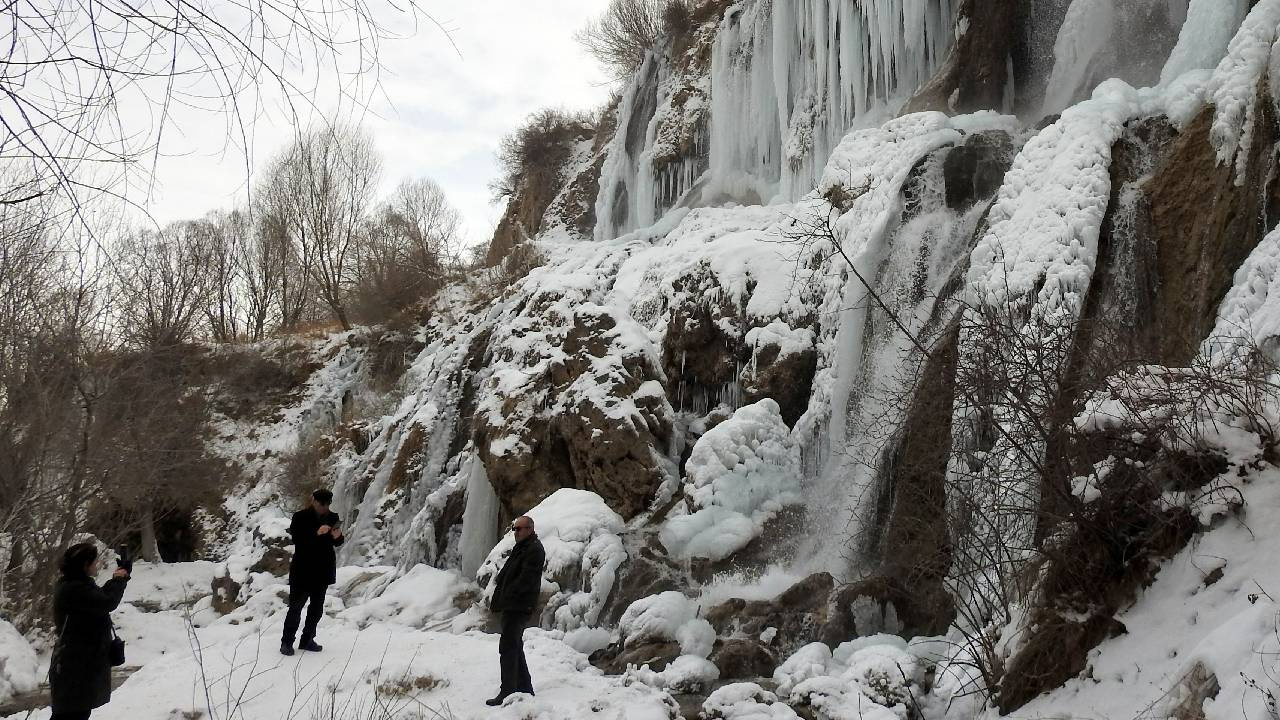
(479, 519)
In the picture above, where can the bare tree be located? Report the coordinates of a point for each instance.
(72, 69)
(52, 327)
(164, 282)
(432, 224)
(227, 313)
(628, 29)
(318, 190)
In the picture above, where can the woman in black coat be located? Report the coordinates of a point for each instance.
(80, 671)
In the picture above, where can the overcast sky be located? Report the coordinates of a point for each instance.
(442, 116)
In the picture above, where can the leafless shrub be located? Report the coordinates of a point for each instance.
(164, 280)
(303, 469)
(628, 29)
(407, 252)
(535, 153)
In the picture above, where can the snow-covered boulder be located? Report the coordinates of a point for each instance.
(18, 663)
(745, 701)
(657, 617)
(740, 474)
(425, 596)
(687, 673)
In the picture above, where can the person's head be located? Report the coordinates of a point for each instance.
(80, 559)
(320, 500)
(522, 527)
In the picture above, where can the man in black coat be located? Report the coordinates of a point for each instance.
(313, 568)
(80, 669)
(515, 593)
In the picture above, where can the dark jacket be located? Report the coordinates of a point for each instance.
(314, 563)
(80, 670)
(519, 581)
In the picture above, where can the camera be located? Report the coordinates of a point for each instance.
(123, 560)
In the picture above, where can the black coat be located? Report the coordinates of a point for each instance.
(314, 562)
(80, 670)
(520, 580)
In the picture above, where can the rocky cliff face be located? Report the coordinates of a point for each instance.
(856, 276)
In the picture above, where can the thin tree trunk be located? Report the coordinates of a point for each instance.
(150, 548)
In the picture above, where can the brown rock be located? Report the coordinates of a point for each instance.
(740, 659)
(615, 659)
(975, 74)
(700, 358)
(1205, 224)
(974, 171)
(799, 614)
(274, 560)
(226, 594)
(647, 571)
(579, 444)
(788, 379)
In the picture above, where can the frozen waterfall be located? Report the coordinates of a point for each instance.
(788, 80)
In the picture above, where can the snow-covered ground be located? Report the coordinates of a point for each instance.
(377, 655)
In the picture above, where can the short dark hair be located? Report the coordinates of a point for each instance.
(322, 496)
(77, 558)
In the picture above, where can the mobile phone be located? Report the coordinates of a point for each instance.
(123, 561)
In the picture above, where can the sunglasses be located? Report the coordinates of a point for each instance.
(520, 527)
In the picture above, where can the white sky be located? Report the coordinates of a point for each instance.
(441, 115)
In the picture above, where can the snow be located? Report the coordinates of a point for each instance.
(788, 340)
(1202, 43)
(1234, 88)
(19, 666)
(687, 673)
(193, 661)
(656, 618)
(1249, 316)
(423, 596)
(740, 474)
(746, 701)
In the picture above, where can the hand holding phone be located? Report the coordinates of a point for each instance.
(123, 560)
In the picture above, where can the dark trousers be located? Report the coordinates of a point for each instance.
(515, 671)
(82, 715)
(313, 598)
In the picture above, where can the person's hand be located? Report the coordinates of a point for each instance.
(336, 533)
(324, 530)
(120, 573)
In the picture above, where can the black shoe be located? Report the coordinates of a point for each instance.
(286, 648)
(497, 700)
(309, 646)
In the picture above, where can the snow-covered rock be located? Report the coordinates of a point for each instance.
(741, 474)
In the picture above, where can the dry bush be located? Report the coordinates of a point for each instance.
(491, 283)
(389, 354)
(534, 154)
(620, 38)
(304, 469)
(248, 382)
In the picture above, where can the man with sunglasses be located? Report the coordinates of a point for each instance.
(515, 593)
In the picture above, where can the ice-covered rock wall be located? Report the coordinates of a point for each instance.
(789, 79)
(761, 99)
